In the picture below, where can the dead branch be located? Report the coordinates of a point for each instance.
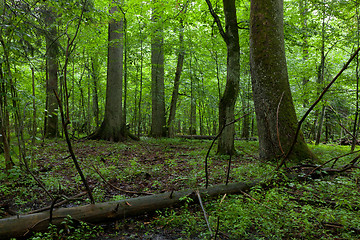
(19, 226)
(313, 106)
(216, 137)
(205, 214)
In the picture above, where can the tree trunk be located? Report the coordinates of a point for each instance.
(355, 126)
(305, 51)
(175, 93)
(95, 98)
(320, 125)
(275, 112)
(228, 100)
(125, 74)
(21, 225)
(52, 77)
(34, 124)
(192, 128)
(141, 81)
(112, 128)
(158, 121)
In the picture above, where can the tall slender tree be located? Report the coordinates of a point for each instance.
(175, 93)
(229, 97)
(112, 127)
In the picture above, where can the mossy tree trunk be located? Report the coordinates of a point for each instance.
(112, 128)
(228, 99)
(275, 112)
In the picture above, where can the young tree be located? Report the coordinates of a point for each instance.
(228, 99)
(275, 112)
(112, 127)
(175, 93)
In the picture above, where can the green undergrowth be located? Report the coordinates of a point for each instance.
(324, 207)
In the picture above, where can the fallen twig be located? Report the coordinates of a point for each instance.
(205, 215)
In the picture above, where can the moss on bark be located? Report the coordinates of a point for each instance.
(275, 112)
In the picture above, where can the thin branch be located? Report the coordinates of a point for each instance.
(71, 151)
(216, 137)
(217, 20)
(203, 209)
(313, 106)
(76, 197)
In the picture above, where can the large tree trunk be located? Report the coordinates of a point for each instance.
(51, 128)
(158, 121)
(20, 225)
(112, 128)
(228, 100)
(275, 112)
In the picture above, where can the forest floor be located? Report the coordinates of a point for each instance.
(325, 208)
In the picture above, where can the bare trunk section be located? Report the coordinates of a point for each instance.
(4, 121)
(158, 121)
(228, 100)
(192, 127)
(18, 226)
(320, 125)
(175, 93)
(275, 112)
(95, 98)
(52, 77)
(356, 124)
(112, 128)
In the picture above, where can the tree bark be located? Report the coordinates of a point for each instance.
(21, 225)
(112, 128)
(52, 77)
(158, 121)
(275, 112)
(175, 93)
(192, 127)
(228, 100)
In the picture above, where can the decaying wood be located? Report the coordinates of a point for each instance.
(21, 225)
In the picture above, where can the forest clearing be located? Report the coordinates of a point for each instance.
(179, 119)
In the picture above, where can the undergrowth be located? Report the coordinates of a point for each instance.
(325, 207)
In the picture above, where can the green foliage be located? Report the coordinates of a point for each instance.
(70, 229)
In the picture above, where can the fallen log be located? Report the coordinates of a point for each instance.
(21, 225)
(198, 137)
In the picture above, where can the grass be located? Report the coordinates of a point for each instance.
(322, 208)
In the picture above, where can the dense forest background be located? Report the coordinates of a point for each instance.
(84, 70)
(319, 35)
